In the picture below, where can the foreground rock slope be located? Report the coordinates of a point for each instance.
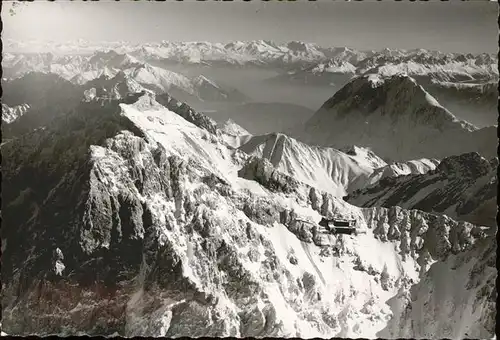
(128, 218)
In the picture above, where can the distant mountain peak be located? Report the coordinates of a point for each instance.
(394, 96)
(202, 80)
(396, 117)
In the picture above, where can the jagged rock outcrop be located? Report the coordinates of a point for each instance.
(116, 87)
(262, 171)
(397, 119)
(419, 311)
(158, 235)
(463, 187)
(10, 114)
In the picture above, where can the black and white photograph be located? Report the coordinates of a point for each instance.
(249, 169)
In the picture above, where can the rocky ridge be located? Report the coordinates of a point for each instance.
(462, 187)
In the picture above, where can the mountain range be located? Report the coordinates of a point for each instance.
(442, 66)
(81, 70)
(126, 212)
(453, 78)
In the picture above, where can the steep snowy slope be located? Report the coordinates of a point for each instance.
(159, 79)
(452, 300)
(397, 119)
(156, 230)
(463, 187)
(334, 171)
(329, 169)
(415, 167)
(420, 166)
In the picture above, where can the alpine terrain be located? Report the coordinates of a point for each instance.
(128, 212)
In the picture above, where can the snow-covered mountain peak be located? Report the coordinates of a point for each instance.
(396, 96)
(113, 59)
(334, 66)
(301, 46)
(202, 80)
(159, 79)
(397, 118)
(328, 169)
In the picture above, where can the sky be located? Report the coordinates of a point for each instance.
(446, 26)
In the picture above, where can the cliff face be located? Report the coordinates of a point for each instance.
(126, 218)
